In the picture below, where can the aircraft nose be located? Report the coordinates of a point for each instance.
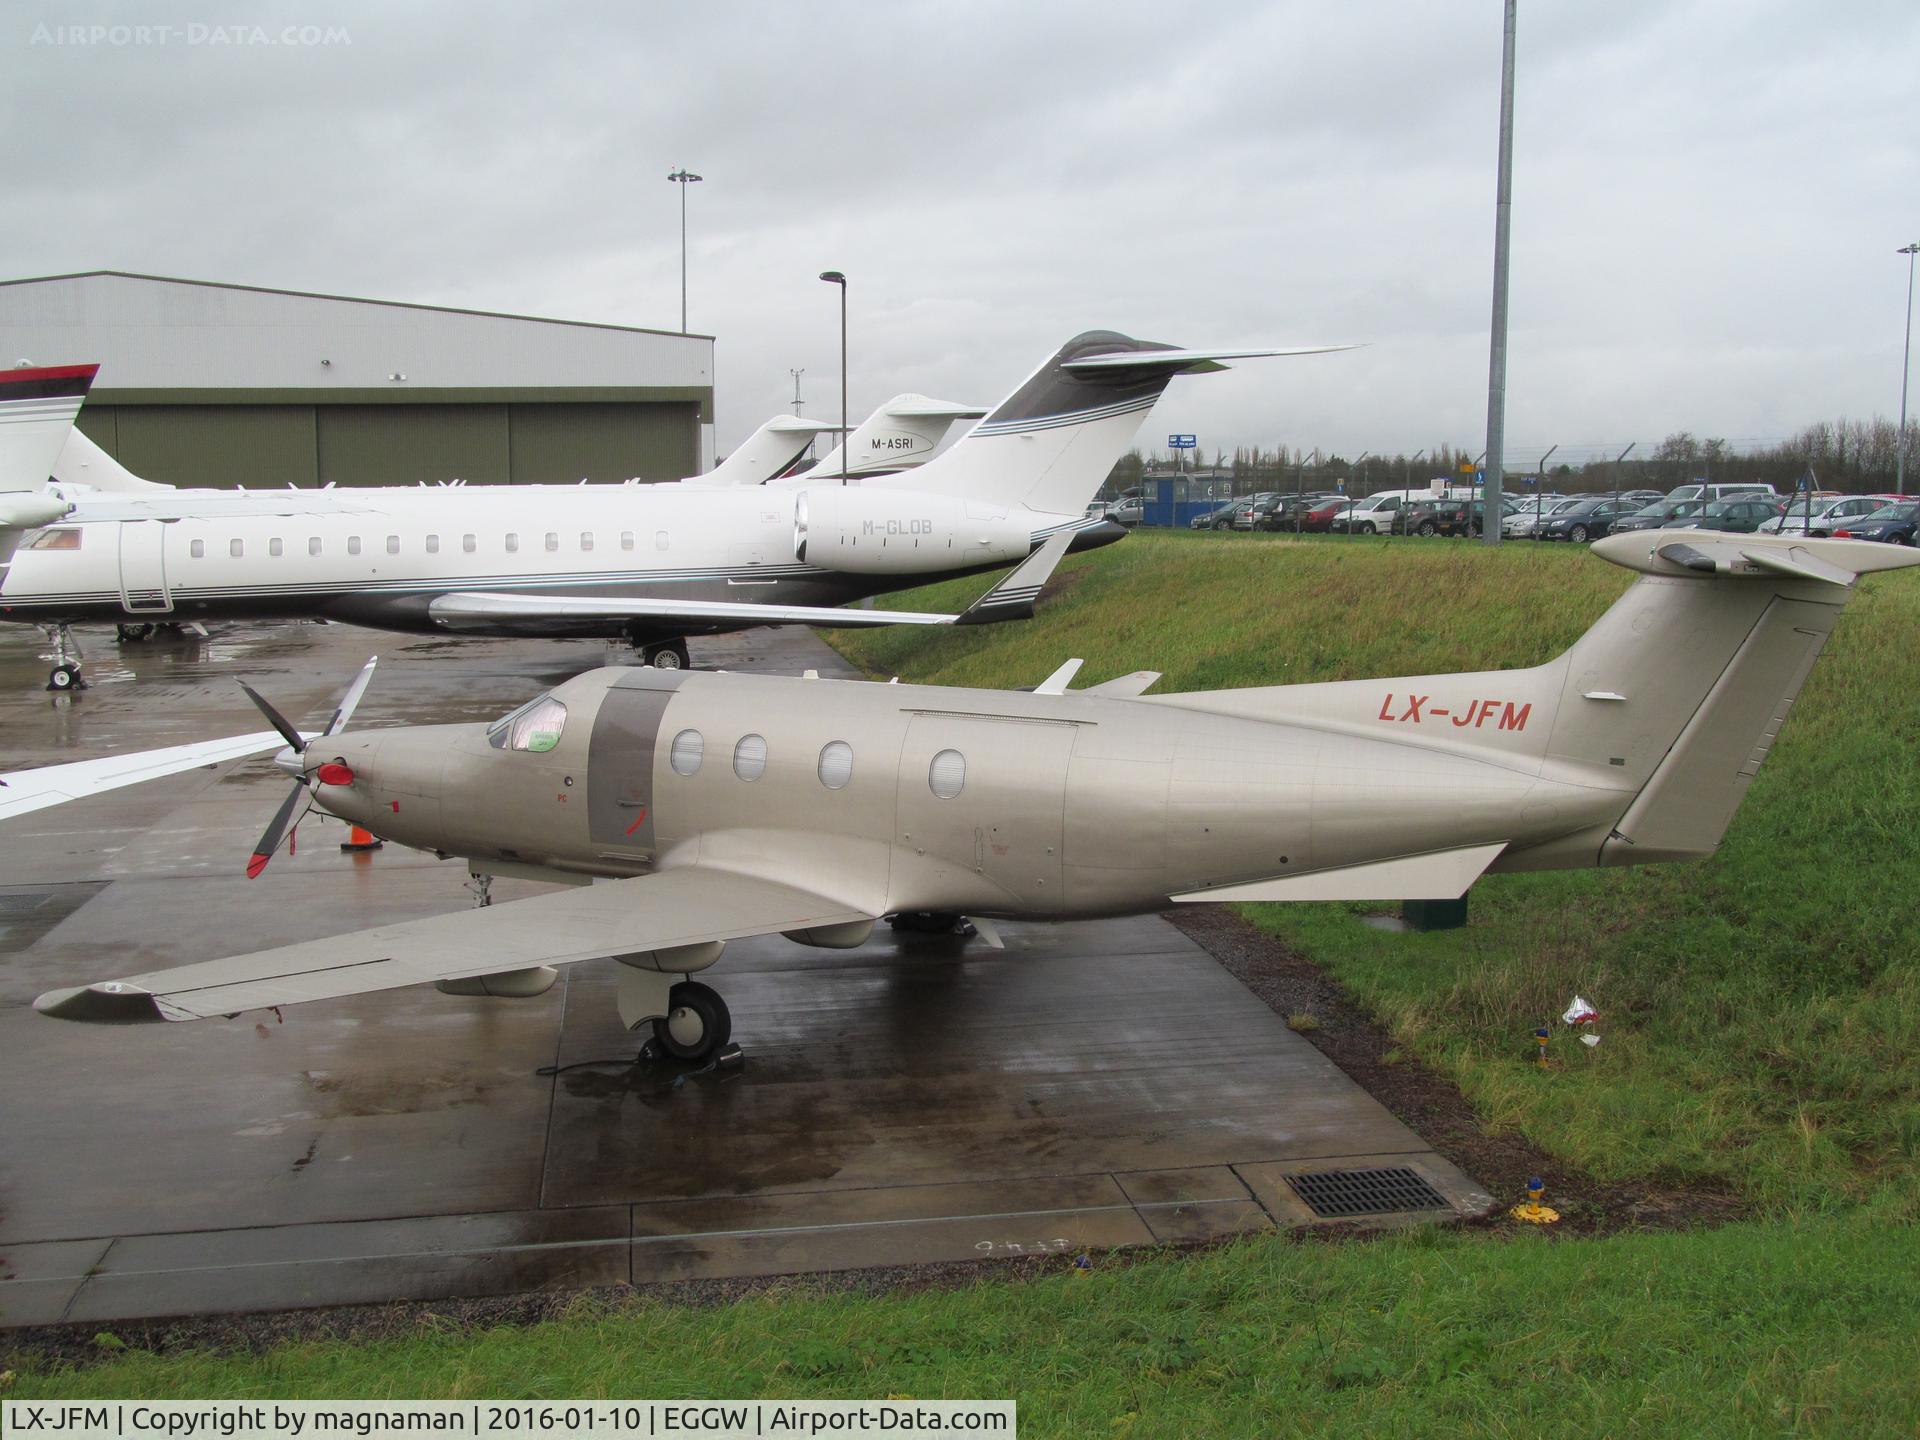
(343, 772)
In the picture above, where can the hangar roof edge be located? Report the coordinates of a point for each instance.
(353, 300)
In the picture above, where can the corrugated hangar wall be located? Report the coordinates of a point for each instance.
(205, 384)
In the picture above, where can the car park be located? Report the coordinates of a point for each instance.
(1584, 520)
(1891, 524)
(1246, 505)
(1445, 517)
(1130, 511)
(1743, 514)
(1652, 517)
(1375, 515)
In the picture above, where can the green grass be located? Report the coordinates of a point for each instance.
(1760, 1021)
(1761, 1010)
(1744, 1330)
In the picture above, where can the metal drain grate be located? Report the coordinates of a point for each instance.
(1335, 1194)
(13, 907)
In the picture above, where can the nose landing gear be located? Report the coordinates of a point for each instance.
(65, 677)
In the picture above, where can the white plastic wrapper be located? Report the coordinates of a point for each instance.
(1589, 1039)
(1580, 1012)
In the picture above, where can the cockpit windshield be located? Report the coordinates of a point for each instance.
(535, 726)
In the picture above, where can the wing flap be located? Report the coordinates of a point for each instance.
(1441, 875)
(654, 912)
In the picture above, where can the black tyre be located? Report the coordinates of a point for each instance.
(1369, 528)
(696, 1025)
(1578, 535)
(64, 677)
(669, 657)
(1429, 529)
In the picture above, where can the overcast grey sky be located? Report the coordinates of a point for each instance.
(1708, 193)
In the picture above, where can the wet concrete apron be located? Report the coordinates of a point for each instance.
(916, 1100)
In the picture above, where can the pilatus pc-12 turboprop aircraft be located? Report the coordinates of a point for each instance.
(727, 805)
(649, 564)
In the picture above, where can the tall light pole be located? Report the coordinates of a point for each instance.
(834, 277)
(796, 374)
(1497, 359)
(685, 177)
(1906, 360)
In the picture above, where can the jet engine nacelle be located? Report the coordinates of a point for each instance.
(882, 530)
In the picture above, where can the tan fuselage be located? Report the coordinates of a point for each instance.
(1070, 805)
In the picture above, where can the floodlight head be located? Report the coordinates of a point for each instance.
(833, 277)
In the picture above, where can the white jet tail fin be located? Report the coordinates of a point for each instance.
(770, 451)
(81, 462)
(901, 434)
(37, 406)
(1052, 443)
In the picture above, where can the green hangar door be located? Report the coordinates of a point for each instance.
(407, 444)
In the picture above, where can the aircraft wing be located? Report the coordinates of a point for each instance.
(689, 906)
(24, 791)
(1011, 599)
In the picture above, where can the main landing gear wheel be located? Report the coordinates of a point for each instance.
(667, 657)
(697, 1024)
(65, 677)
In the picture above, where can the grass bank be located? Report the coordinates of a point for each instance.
(1761, 1009)
(1738, 1331)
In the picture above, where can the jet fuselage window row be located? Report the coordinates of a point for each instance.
(946, 773)
(470, 544)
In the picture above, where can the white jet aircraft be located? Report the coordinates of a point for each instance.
(648, 564)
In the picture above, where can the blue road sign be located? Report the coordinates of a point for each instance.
(1479, 474)
(1182, 442)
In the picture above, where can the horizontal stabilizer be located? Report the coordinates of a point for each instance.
(1125, 687)
(1186, 362)
(1441, 875)
(1684, 553)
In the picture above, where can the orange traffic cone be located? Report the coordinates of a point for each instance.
(361, 839)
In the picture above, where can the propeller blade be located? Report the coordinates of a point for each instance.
(276, 829)
(275, 719)
(352, 698)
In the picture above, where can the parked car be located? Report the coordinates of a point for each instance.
(1319, 519)
(1375, 515)
(1446, 517)
(1220, 518)
(1097, 508)
(1534, 511)
(1283, 512)
(1584, 520)
(1743, 515)
(1821, 516)
(1701, 490)
(1652, 517)
(1130, 511)
(1892, 524)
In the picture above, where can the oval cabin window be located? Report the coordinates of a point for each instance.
(688, 747)
(836, 764)
(947, 775)
(750, 757)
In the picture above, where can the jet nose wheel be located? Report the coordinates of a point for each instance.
(696, 1026)
(65, 677)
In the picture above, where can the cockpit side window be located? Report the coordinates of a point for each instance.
(536, 726)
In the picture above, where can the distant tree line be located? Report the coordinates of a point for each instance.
(1854, 456)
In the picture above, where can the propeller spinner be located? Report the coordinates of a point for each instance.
(284, 819)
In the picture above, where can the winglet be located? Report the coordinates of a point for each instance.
(1013, 598)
